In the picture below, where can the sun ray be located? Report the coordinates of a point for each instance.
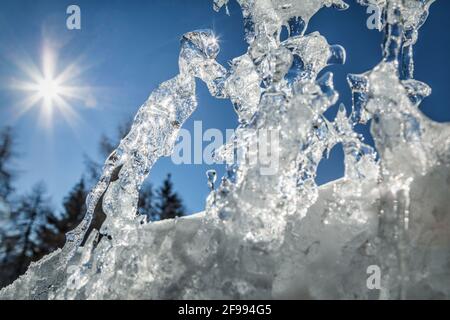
(26, 104)
(71, 117)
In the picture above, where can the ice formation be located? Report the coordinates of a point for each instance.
(266, 235)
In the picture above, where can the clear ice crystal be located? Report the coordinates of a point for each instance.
(276, 235)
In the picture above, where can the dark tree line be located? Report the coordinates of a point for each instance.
(29, 226)
(6, 155)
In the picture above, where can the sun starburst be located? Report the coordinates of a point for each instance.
(51, 91)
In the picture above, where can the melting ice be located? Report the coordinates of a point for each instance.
(276, 235)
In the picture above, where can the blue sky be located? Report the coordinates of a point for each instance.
(126, 48)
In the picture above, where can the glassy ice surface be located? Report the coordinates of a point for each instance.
(268, 230)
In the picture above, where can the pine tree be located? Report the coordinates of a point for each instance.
(146, 204)
(75, 207)
(170, 204)
(6, 155)
(32, 220)
(28, 234)
(74, 210)
(9, 236)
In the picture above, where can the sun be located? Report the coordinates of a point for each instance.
(50, 90)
